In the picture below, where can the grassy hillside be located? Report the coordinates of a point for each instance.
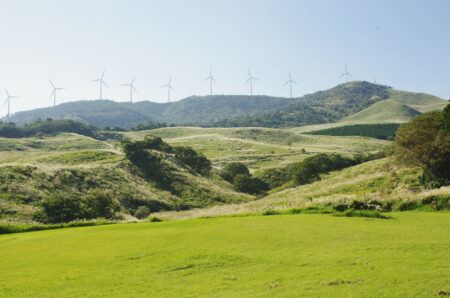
(70, 164)
(283, 256)
(259, 147)
(357, 102)
(384, 111)
(364, 182)
(419, 101)
(321, 107)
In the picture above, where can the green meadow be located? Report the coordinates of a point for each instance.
(259, 256)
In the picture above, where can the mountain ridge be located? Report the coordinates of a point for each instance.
(327, 106)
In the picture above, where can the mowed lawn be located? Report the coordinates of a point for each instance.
(284, 255)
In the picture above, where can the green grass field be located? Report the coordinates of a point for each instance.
(284, 256)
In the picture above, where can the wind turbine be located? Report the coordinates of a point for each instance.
(54, 92)
(375, 81)
(211, 80)
(131, 88)
(290, 82)
(8, 100)
(169, 87)
(346, 74)
(250, 79)
(100, 80)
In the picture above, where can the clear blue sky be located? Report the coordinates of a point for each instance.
(404, 44)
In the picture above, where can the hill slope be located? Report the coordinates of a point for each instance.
(384, 111)
(196, 110)
(329, 106)
(340, 103)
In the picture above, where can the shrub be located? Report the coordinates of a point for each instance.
(154, 219)
(198, 162)
(142, 212)
(249, 184)
(233, 169)
(362, 213)
(96, 204)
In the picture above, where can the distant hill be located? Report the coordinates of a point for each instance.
(194, 110)
(384, 111)
(354, 101)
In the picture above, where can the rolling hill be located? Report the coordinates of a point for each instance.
(194, 110)
(384, 111)
(343, 102)
(376, 103)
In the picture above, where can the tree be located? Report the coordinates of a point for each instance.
(233, 169)
(425, 142)
(247, 184)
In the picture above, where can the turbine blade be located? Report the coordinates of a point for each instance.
(133, 80)
(286, 83)
(51, 83)
(53, 92)
(164, 86)
(6, 91)
(125, 85)
(341, 75)
(132, 87)
(248, 80)
(103, 73)
(294, 82)
(103, 82)
(95, 80)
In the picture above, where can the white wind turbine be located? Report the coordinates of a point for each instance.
(346, 74)
(131, 85)
(169, 87)
(250, 79)
(101, 82)
(53, 94)
(211, 80)
(8, 100)
(290, 82)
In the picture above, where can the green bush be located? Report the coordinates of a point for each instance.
(58, 209)
(154, 219)
(198, 162)
(142, 212)
(232, 169)
(247, 184)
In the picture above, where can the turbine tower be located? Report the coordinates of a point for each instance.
(250, 79)
(211, 80)
(169, 87)
(101, 82)
(346, 74)
(290, 82)
(8, 100)
(131, 88)
(53, 94)
(373, 79)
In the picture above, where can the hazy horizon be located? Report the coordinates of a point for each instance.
(71, 42)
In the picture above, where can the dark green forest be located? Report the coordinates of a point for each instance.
(379, 131)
